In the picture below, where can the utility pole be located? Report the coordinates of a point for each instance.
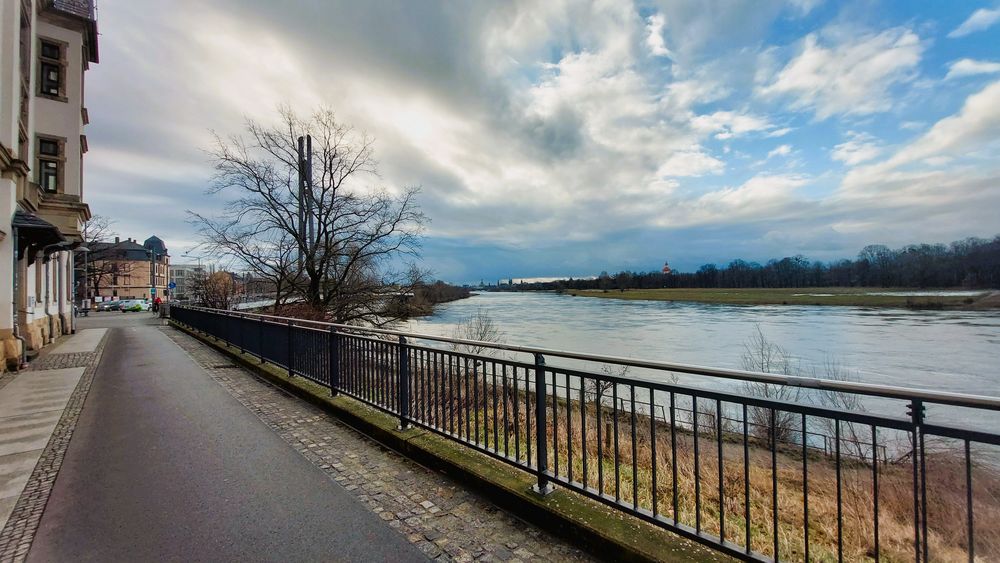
(306, 227)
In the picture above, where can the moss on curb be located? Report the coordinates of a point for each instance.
(586, 523)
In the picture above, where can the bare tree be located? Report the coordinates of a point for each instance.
(855, 438)
(346, 265)
(762, 355)
(98, 269)
(481, 328)
(215, 290)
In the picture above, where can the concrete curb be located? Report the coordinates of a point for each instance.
(590, 525)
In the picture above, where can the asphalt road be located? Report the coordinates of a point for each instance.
(165, 465)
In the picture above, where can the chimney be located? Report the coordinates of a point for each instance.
(117, 240)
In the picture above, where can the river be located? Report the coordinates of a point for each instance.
(954, 351)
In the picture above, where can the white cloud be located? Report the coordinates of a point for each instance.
(981, 19)
(654, 39)
(692, 162)
(781, 150)
(860, 147)
(853, 76)
(764, 196)
(971, 67)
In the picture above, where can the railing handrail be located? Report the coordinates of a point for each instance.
(870, 389)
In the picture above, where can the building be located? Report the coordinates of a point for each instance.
(183, 275)
(46, 46)
(125, 269)
(666, 269)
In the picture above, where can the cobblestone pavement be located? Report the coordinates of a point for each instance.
(439, 516)
(19, 531)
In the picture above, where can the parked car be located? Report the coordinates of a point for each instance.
(134, 306)
(109, 306)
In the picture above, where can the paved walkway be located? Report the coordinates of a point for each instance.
(180, 455)
(38, 409)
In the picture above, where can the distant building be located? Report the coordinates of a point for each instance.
(666, 268)
(125, 269)
(183, 275)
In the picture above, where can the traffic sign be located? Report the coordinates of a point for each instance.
(152, 291)
(171, 285)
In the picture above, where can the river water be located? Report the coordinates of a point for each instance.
(954, 351)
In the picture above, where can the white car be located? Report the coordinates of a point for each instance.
(135, 305)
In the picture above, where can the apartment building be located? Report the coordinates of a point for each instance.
(46, 47)
(125, 269)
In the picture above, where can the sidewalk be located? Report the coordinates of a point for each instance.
(180, 455)
(39, 408)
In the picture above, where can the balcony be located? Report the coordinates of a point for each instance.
(79, 8)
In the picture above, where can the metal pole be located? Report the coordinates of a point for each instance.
(334, 361)
(543, 487)
(404, 384)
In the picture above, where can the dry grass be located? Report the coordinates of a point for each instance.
(945, 476)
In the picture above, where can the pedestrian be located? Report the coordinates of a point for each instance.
(156, 304)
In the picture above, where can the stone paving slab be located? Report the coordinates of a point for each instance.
(83, 341)
(439, 516)
(38, 412)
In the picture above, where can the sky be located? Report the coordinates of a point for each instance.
(565, 137)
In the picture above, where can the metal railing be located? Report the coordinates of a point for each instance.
(737, 471)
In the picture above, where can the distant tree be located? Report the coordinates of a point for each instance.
(215, 290)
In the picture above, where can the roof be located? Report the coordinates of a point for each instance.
(155, 244)
(32, 230)
(124, 250)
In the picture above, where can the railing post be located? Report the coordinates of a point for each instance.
(543, 487)
(334, 361)
(916, 412)
(404, 384)
(290, 372)
(239, 329)
(260, 338)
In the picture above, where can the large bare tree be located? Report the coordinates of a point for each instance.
(349, 265)
(102, 266)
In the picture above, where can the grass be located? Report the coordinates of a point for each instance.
(634, 484)
(859, 297)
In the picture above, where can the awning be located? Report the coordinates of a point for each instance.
(34, 232)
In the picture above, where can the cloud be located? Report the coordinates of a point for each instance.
(981, 19)
(690, 163)
(860, 147)
(850, 75)
(654, 27)
(781, 150)
(971, 67)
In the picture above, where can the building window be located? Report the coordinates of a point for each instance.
(52, 65)
(50, 163)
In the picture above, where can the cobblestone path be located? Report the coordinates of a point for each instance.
(434, 513)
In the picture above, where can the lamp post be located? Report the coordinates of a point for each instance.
(84, 301)
(200, 271)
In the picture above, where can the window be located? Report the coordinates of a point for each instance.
(50, 162)
(52, 64)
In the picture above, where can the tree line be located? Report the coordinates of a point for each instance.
(971, 263)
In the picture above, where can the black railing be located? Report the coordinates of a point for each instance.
(741, 471)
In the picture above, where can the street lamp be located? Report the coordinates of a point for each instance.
(84, 302)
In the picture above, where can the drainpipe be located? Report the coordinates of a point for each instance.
(22, 363)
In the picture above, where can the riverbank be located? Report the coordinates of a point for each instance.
(857, 297)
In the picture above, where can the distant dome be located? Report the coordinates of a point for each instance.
(155, 244)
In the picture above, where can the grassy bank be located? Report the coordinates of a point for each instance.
(859, 297)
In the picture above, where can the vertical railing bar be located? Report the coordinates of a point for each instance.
(289, 333)
(614, 413)
(506, 419)
(697, 466)
(569, 431)
(517, 414)
(635, 451)
(475, 397)
(652, 446)
(528, 415)
(774, 481)
(599, 406)
(968, 504)
(840, 504)
(555, 425)
(673, 456)
(718, 436)
(875, 491)
(496, 408)
(923, 496)
(805, 486)
(583, 429)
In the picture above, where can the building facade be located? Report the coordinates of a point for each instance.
(184, 276)
(46, 46)
(125, 269)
